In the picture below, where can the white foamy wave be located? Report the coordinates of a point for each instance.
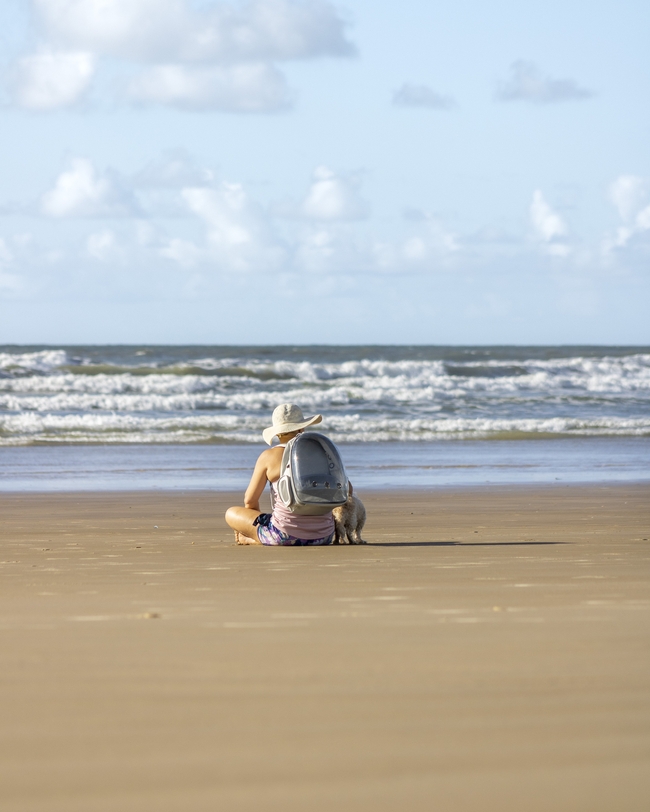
(177, 400)
(604, 375)
(168, 395)
(116, 428)
(570, 369)
(23, 363)
(420, 381)
(119, 428)
(355, 430)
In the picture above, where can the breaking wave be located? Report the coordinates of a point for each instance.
(225, 395)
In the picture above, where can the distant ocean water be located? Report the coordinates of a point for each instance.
(181, 395)
(79, 418)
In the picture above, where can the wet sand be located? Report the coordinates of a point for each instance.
(488, 651)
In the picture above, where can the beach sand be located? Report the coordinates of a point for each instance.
(490, 650)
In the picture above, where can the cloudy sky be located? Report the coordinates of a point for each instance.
(301, 171)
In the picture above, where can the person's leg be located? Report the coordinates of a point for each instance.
(241, 520)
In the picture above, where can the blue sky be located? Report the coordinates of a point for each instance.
(297, 171)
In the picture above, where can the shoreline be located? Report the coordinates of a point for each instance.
(382, 493)
(370, 466)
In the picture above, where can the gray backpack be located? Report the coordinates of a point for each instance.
(312, 477)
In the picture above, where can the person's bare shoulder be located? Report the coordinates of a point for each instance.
(270, 460)
(270, 457)
(271, 453)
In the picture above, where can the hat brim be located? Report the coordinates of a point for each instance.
(287, 428)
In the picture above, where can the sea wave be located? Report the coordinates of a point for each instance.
(178, 395)
(128, 428)
(26, 363)
(614, 375)
(600, 372)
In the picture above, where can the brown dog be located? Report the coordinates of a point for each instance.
(349, 520)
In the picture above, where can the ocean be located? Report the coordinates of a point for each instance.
(191, 417)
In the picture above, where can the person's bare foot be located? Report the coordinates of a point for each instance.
(240, 538)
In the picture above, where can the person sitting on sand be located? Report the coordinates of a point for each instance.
(282, 527)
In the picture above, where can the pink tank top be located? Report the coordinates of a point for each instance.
(302, 527)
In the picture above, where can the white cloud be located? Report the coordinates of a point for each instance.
(547, 223)
(242, 236)
(421, 96)
(415, 249)
(642, 220)
(102, 245)
(331, 249)
(183, 252)
(175, 30)
(208, 56)
(158, 184)
(432, 246)
(527, 83)
(549, 227)
(433, 242)
(132, 29)
(50, 79)
(243, 88)
(175, 170)
(81, 192)
(317, 251)
(239, 235)
(332, 197)
(628, 193)
(319, 236)
(277, 29)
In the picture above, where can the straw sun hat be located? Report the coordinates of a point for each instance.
(286, 418)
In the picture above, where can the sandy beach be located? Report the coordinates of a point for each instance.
(488, 650)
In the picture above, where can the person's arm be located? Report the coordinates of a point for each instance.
(257, 484)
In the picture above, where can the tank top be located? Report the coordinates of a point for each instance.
(301, 527)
